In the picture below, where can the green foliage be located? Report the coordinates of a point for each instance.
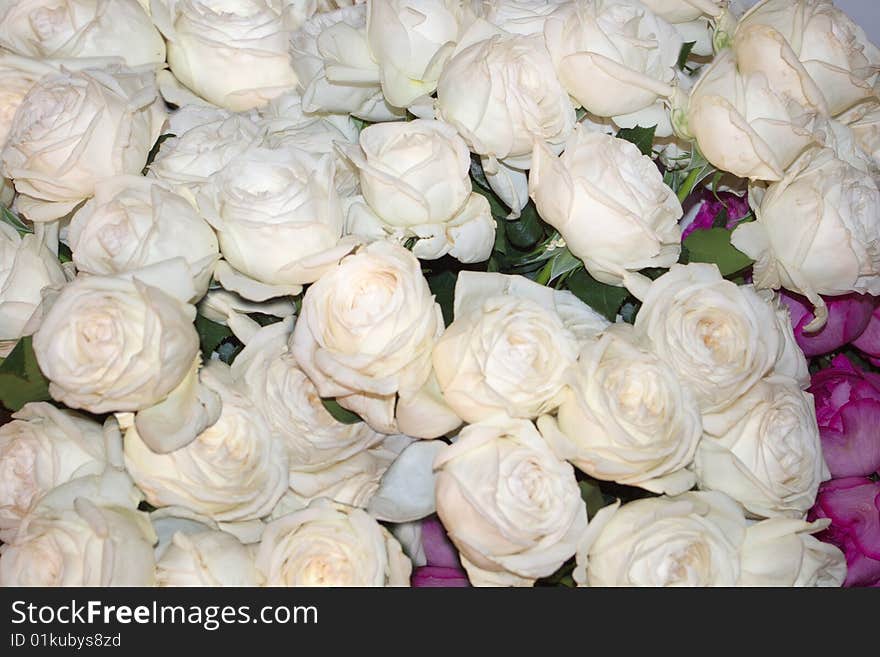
(525, 231)
(211, 334)
(154, 151)
(442, 284)
(9, 217)
(21, 380)
(643, 138)
(592, 496)
(714, 246)
(340, 414)
(604, 299)
(684, 53)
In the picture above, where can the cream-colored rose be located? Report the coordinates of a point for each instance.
(609, 203)
(510, 506)
(278, 219)
(207, 558)
(415, 178)
(337, 74)
(702, 539)
(744, 124)
(233, 53)
(683, 11)
(330, 544)
(133, 222)
(501, 94)
(821, 39)
(204, 141)
(504, 355)
(235, 470)
(864, 121)
(816, 231)
(519, 16)
(765, 451)
(267, 372)
(612, 56)
(411, 40)
(784, 552)
(28, 270)
(44, 447)
(628, 418)
(119, 343)
(87, 532)
(17, 76)
(59, 29)
(721, 338)
(74, 129)
(692, 539)
(287, 125)
(366, 331)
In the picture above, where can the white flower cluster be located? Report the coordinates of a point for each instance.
(289, 170)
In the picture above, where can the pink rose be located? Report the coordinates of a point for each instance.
(443, 567)
(848, 412)
(853, 504)
(848, 317)
(710, 205)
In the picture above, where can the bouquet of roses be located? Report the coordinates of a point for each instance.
(441, 292)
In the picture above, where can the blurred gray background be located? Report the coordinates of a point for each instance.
(864, 12)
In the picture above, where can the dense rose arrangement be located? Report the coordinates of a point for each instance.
(439, 293)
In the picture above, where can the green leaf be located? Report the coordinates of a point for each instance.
(527, 230)
(9, 217)
(684, 53)
(64, 253)
(563, 262)
(21, 380)
(643, 138)
(155, 150)
(340, 414)
(211, 334)
(604, 299)
(442, 284)
(592, 496)
(714, 246)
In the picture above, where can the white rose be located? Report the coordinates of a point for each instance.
(833, 50)
(17, 76)
(87, 532)
(337, 74)
(692, 539)
(44, 447)
(233, 53)
(353, 481)
(366, 331)
(269, 375)
(132, 222)
(411, 41)
(520, 16)
(765, 451)
(502, 94)
(330, 544)
(503, 354)
(683, 11)
(28, 269)
(278, 219)
(415, 177)
(628, 418)
(745, 125)
(234, 470)
(512, 509)
(204, 141)
(609, 203)
(719, 337)
(864, 121)
(287, 125)
(75, 129)
(783, 552)
(816, 231)
(119, 343)
(207, 558)
(612, 56)
(58, 29)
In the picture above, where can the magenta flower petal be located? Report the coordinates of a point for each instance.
(848, 317)
(439, 550)
(854, 450)
(434, 576)
(869, 340)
